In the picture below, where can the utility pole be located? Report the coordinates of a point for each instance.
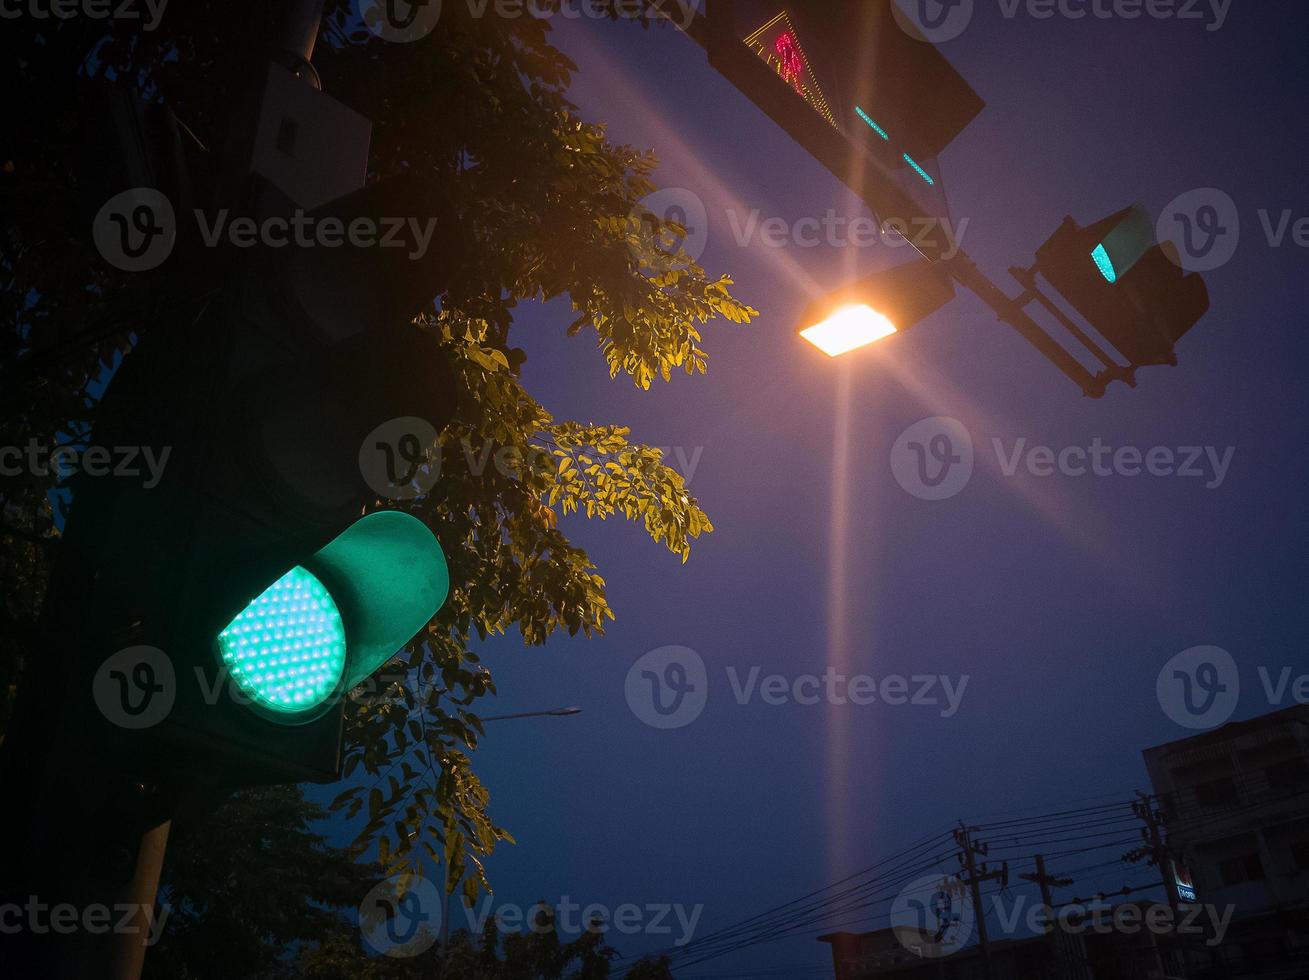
(1155, 852)
(1046, 882)
(970, 850)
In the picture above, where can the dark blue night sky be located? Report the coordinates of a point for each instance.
(1060, 598)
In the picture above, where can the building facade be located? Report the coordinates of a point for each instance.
(1235, 807)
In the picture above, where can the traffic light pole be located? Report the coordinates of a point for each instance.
(87, 821)
(130, 946)
(298, 36)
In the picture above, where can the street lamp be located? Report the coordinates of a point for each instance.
(885, 303)
(848, 328)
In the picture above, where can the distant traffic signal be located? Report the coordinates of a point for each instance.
(873, 101)
(1132, 290)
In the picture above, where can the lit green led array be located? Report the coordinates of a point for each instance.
(286, 650)
(1104, 263)
(918, 169)
(869, 119)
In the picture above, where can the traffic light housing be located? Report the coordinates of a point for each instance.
(854, 64)
(1133, 291)
(897, 91)
(257, 370)
(327, 624)
(869, 101)
(259, 564)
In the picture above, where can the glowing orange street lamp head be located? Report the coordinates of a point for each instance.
(885, 303)
(848, 328)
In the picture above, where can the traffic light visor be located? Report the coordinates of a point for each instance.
(388, 575)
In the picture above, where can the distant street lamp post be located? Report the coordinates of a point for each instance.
(552, 713)
(449, 890)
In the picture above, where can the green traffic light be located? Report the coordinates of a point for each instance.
(312, 635)
(1129, 238)
(286, 649)
(1104, 264)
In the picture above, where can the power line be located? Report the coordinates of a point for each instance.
(1091, 829)
(873, 867)
(1082, 811)
(807, 921)
(1096, 828)
(792, 916)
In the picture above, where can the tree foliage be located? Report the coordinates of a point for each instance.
(534, 953)
(251, 890)
(251, 885)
